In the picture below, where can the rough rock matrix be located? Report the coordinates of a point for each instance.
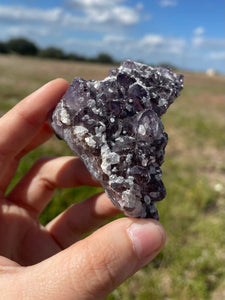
(114, 126)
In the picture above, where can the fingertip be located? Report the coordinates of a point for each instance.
(56, 88)
(148, 237)
(60, 81)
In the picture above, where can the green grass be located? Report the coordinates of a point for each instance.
(191, 266)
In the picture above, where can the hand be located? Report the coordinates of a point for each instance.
(59, 264)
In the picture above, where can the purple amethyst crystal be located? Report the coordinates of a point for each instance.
(114, 126)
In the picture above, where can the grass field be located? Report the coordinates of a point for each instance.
(191, 266)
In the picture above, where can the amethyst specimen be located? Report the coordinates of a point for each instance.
(114, 126)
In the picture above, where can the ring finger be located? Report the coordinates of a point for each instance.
(81, 218)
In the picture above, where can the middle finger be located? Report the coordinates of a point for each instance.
(43, 134)
(36, 188)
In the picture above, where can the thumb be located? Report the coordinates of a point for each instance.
(95, 266)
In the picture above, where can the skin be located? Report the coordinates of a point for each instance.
(55, 262)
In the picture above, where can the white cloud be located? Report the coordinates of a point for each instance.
(119, 15)
(18, 18)
(95, 15)
(208, 43)
(199, 31)
(168, 3)
(163, 44)
(26, 31)
(25, 14)
(152, 40)
(197, 41)
(92, 4)
(107, 12)
(115, 39)
(139, 6)
(150, 48)
(219, 55)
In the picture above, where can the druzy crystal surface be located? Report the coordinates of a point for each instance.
(114, 126)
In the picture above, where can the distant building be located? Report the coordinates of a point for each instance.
(210, 72)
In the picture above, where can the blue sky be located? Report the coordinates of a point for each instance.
(186, 33)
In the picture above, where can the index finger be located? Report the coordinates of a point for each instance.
(22, 122)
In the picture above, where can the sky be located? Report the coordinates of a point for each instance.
(188, 34)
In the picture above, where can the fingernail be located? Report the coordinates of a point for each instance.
(147, 239)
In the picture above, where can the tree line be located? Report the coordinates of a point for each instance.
(23, 46)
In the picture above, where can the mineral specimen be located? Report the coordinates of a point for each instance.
(114, 126)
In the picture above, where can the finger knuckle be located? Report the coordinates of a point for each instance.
(42, 176)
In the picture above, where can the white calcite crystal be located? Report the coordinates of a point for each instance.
(114, 126)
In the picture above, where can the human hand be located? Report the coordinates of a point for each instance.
(59, 263)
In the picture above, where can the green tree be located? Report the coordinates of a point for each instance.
(3, 48)
(22, 46)
(75, 57)
(104, 58)
(52, 52)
